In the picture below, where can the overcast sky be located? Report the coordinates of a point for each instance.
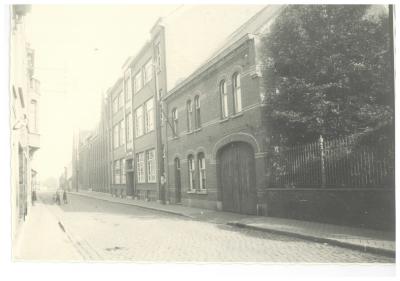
(79, 51)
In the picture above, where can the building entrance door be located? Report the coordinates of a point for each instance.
(237, 178)
(130, 184)
(178, 195)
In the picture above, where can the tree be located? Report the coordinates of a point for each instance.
(328, 72)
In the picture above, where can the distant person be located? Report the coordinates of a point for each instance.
(58, 199)
(34, 198)
(65, 200)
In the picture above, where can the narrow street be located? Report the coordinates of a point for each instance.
(102, 230)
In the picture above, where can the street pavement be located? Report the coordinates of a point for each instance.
(101, 230)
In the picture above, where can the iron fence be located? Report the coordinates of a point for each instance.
(341, 162)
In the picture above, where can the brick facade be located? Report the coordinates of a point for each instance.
(215, 131)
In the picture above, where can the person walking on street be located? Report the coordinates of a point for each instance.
(58, 199)
(65, 200)
(34, 198)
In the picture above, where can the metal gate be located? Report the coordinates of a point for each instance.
(237, 178)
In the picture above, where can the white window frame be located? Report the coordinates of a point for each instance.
(224, 99)
(237, 92)
(148, 71)
(189, 112)
(139, 121)
(175, 120)
(197, 117)
(202, 171)
(121, 100)
(149, 116)
(140, 168)
(151, 165)
(116, 136)
(115, 104)
(122, 132)
(138, 81)
(128, 86)
(192, 171)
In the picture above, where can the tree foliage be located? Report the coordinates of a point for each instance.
(328, 72)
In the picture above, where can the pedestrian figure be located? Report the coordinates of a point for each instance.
(58, 199)
(65, 197)
(33, 197)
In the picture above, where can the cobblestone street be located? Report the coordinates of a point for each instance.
(109, 231)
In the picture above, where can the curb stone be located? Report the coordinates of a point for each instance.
(367, 249)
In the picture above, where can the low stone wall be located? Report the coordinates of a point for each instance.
(370, 208)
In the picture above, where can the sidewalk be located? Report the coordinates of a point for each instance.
(367, 240)
(42, 238)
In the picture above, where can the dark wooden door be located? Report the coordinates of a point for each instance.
(237, 178)
(178, 195)
(130, 184)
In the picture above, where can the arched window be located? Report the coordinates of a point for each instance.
(175, 122)
(197, 122)
(237, 93)
(224, 99)
(189, 113)
(202, 170)
(191, 170)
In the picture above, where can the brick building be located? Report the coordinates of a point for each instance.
(91, 155)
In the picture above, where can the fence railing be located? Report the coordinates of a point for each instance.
(341, 162)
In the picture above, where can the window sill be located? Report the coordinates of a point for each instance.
(202, 191)
(197, 130)
(224, 120)
(197, 192)
(189, 132)
(237, 115)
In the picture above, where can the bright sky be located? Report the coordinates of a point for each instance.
(79, 51)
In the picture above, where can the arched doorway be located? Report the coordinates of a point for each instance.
(237, 178)
(178, 196)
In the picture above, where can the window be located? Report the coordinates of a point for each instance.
(197, 119)
(140, 167)
(120, 101)
(189, 110)
(202, 170)
(139, 121)
(128, 86)
(149, 117)
(129, 126)
(191, 169)
(175, 122)
(138, 81)
(33, 116)
(123, 177)
(151, 165)
(224, 99)
(117, 175)
(116, 136)
(237, 93)
(122, 132)
(115, 105)
(148, 71)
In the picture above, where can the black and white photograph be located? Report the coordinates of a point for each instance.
(201, 133)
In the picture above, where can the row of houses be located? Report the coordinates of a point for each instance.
(24, 105)
(201, 140)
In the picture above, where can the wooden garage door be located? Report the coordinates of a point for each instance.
(237, 178)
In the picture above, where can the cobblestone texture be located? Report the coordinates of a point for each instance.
(111, 231)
